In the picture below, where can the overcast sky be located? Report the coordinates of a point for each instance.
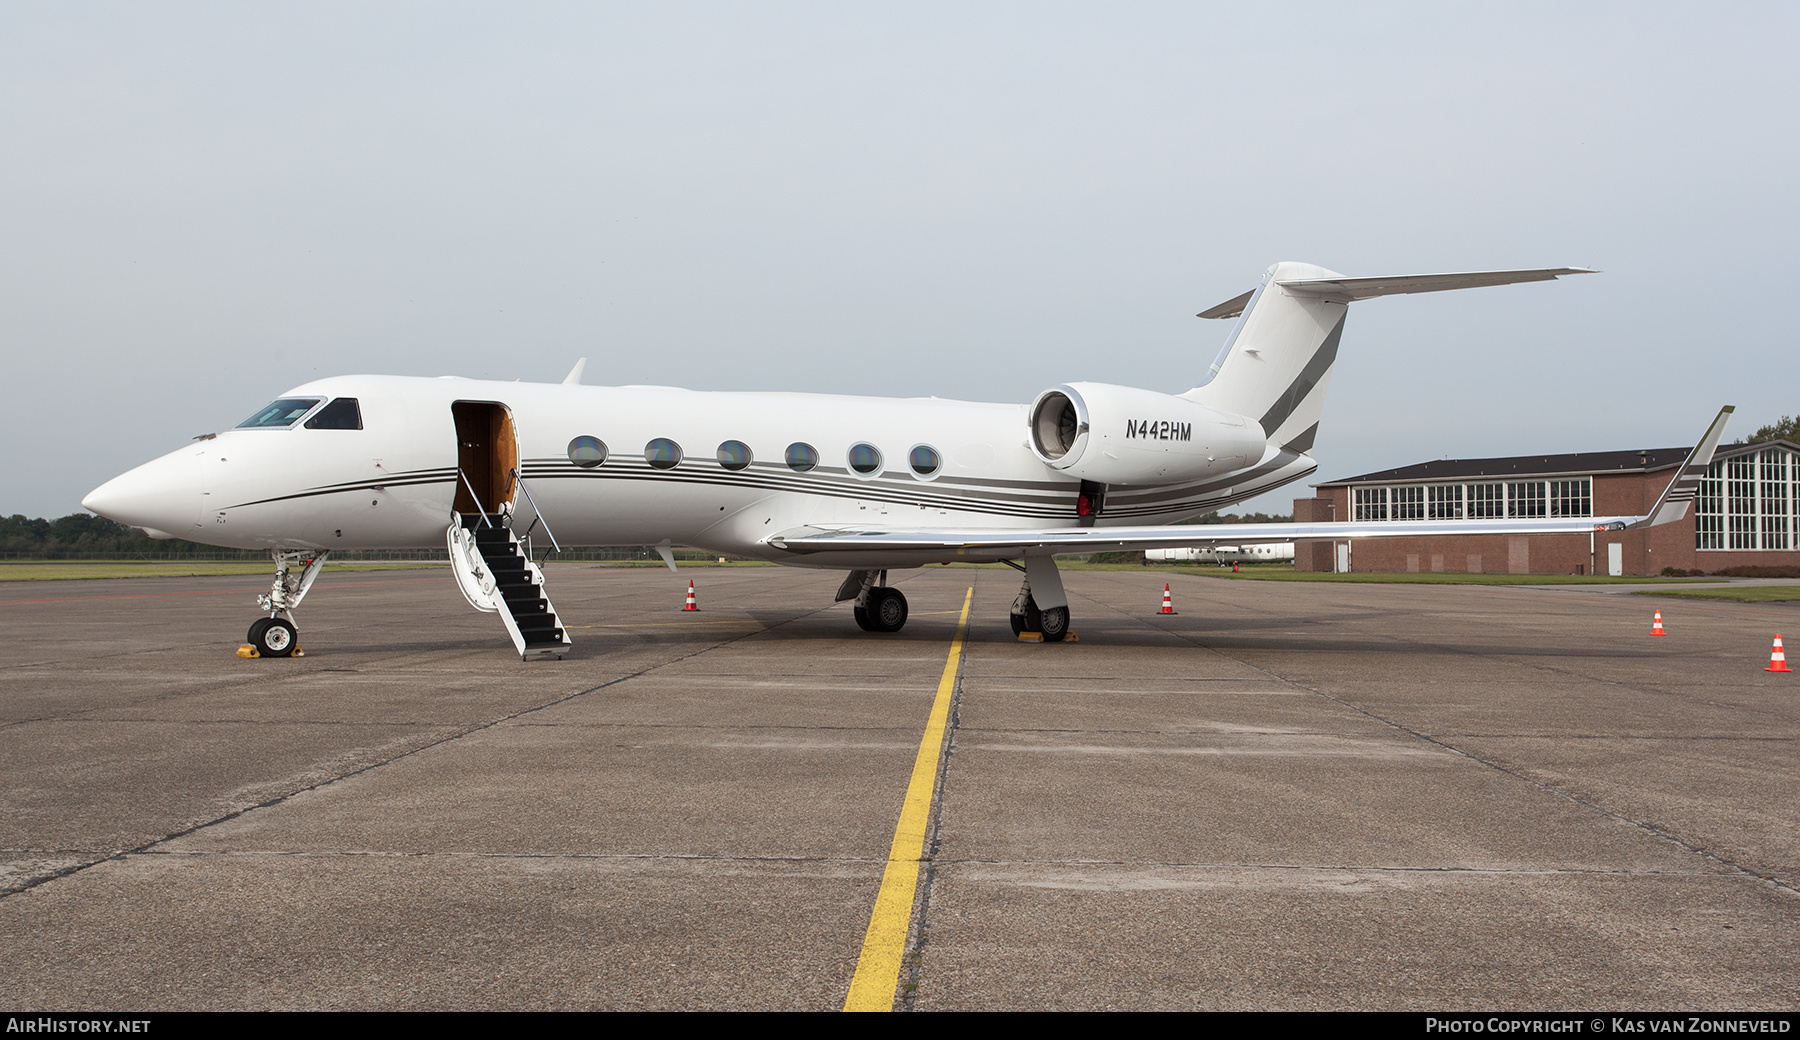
(202, 205)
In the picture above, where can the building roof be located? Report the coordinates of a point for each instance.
(1581, 463)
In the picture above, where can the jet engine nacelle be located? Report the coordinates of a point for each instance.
(1120, 436)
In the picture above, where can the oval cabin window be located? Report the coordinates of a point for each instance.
(587, 452)
(734, 455)
(662, 453)
(802, 457)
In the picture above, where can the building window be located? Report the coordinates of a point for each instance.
(1487, 501)
(1775, 466)
(1709, 510)
(1740, 500)
(1371, 504)
(1525, 500)
(1409, 502)
(1444, 502)
(1749, 501)
(1572, 497)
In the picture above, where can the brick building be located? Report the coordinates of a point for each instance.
(1746, 513)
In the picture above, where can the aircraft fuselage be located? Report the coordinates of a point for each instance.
(719, 471)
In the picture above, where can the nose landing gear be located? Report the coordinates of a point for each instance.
(276, 635)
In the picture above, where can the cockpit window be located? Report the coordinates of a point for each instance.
(341, 414)
(282, 413)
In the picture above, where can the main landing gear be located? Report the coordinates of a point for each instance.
(1046, 612)
(878, 608)
(275, 635)
(1052, 624)
(1041, 606)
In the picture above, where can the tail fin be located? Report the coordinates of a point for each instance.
(1277, 364)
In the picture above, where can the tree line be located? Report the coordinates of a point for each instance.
(85, 533)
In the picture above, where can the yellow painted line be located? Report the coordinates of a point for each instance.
(878, 970)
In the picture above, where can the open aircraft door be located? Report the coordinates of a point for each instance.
(492, 567)
(487, 453)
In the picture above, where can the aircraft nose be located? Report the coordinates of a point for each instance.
(161, 496)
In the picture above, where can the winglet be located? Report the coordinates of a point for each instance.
(574, 376)
(1673, 505)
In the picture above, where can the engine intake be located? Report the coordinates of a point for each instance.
(1122, 436)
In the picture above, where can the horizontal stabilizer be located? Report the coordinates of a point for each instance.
(1230, 308)
(1347, 290)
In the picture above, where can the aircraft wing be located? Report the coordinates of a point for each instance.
(999, 543)
(1004, 543)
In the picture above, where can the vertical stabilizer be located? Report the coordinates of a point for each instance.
(1276, 365)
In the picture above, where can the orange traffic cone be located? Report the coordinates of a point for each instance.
(1777, 658)
(691, 605)
(1168, 602)
(1656, 628)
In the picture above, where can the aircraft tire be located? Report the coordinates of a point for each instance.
(1018, 623)
(277, 639)
(862, 619)
(887, 610)
(257, 628)
(1055, 624)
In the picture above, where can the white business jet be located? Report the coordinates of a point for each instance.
(864, 485)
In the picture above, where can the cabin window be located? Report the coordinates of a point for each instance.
(802, 457)
(734, 455)
(662, 453)
(280, 414)
(341, 414)
(865, 458)
(587, 452)
(924, 460)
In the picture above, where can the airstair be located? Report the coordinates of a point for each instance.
(494, 570)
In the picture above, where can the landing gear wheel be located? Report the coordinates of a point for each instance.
(1018, 623)
(277, 638)
(1055, 624)
(257, 628)
(887, 610)
(862, 619)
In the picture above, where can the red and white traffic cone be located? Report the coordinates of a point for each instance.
(691, 605)
(1777, 658)
(1656, 628)
(1168, 601)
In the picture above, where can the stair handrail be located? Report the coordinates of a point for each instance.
(477, 498)
(536, 513)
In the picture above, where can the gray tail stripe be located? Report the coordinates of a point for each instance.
(1303, 443)
(1309, 377)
